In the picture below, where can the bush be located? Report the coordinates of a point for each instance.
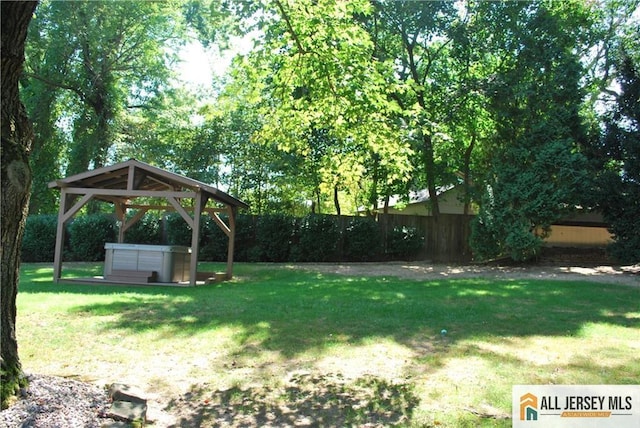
(319, 236)
(245, 237)
(484, 240)
(362, 239)
(88, 234)
(273, 237)
(177, 230)
(626, 246)
(147, 230)
(39, 240)
(522, 245)
(404, 241)
(213, 241)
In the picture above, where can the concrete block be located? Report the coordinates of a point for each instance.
(122, 392)
(127, 411)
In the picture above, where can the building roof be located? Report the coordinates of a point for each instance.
(415, 196)
(132, 178)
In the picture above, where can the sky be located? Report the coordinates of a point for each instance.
(199, 65)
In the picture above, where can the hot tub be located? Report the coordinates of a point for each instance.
(170, 262)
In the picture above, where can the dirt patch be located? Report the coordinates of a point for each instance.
(624, 275)
(304, 400)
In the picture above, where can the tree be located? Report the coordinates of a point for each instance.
(618, 184)
(536, 174)
(48, 53)
(88, 65)
(17, 136)
(314, 71)
(416, 38)
(614, 154)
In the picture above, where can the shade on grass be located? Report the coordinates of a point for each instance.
(499, 332)
(291, 311)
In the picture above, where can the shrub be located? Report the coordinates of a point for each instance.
(484, 240)
(404, 241)
(147, 230)
(273, 236)
(88, 234)
(523, 245)
(626, 247)
(245, 237)
(213, 241)
(319, 236)
(362, 239)
(177, 230)
(39, 240)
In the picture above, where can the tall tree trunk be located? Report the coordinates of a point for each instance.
(336, 201)
(429, 164)
(467, 173)
(17, 136)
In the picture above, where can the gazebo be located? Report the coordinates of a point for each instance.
(121, 184)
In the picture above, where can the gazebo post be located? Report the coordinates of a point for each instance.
(64, 214)
(232, 238)
(195, 238)
(121, 216)
(57, 255)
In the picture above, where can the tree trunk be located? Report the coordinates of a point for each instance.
(467, 173)
(17, 136)
(431, 179)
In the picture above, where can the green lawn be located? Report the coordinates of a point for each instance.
(276, 338)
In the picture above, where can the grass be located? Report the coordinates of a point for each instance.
(275, 331)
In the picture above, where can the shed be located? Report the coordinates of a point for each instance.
(583, 228)
(123, 183)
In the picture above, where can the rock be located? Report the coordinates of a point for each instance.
(128, 405)
(127, 411)
(122, 392)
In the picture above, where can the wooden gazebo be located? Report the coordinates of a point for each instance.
(121, 184)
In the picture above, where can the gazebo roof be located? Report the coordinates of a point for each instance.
(133, 178)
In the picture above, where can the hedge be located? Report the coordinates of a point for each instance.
(88, 234)
(318, 239)
(274, 233)
(147, 230)
(404, 241)
(362, 239)
(39, 240)
(268, 238)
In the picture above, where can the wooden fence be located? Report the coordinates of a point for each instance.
(445, 240)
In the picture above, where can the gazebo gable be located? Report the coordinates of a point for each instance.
(133, 178)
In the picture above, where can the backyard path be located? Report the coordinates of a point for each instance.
(624, 275)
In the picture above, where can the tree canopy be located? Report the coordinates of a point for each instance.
(340, 105)
(89, 64)
(618, 159)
